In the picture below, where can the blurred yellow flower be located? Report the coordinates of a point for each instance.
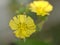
(41, 7)
(23, 26)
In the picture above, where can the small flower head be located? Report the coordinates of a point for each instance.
(41, 7)
(23, 26)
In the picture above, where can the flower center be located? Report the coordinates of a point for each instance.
(22, 26)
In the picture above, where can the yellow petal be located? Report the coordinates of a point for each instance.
(16, 20)
(49, 8)
(13, 25)
(21, 18)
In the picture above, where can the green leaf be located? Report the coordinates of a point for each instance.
(30, 42)
(22, 10)
(40, 25)
(42, 17)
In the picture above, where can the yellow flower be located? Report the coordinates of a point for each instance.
(23, 26)
(41, 7)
